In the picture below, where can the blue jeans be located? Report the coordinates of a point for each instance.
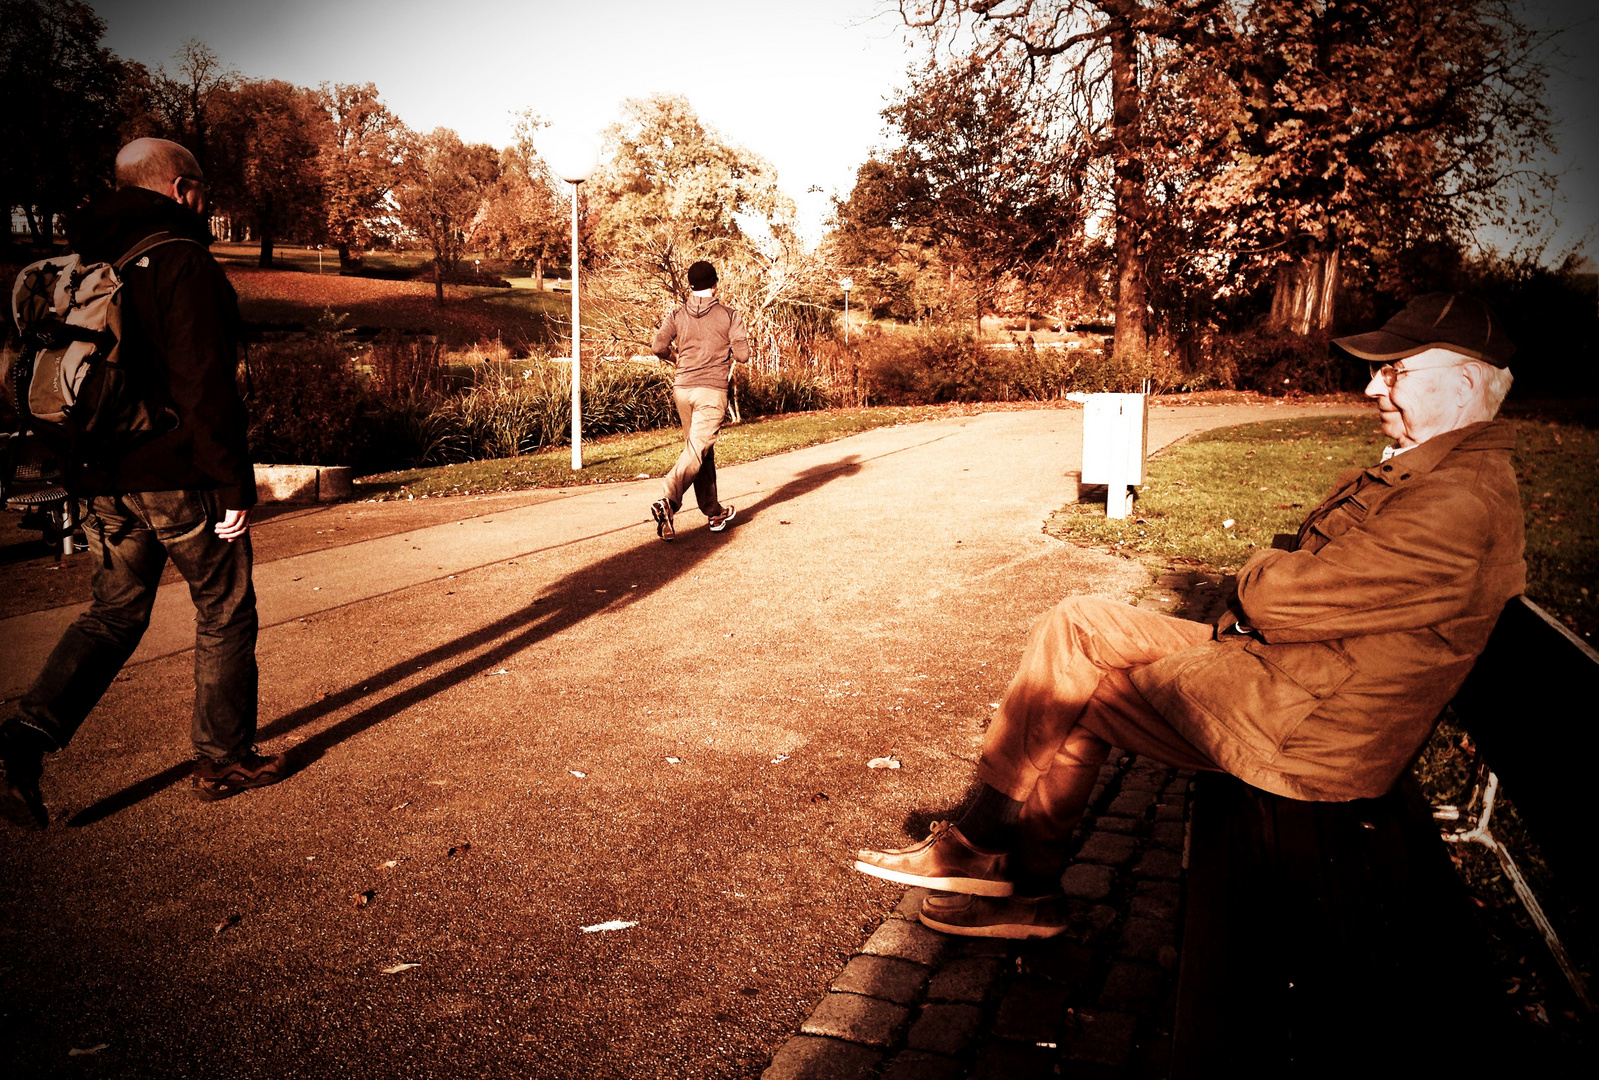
(131, 536)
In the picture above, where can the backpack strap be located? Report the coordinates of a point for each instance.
(154, 240)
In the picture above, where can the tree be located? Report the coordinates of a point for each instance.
(1094, 44)
(976, 172)
(360, 163)
(64, 107)
(1363, 126)
(267, 135)
(183, 106)
(1283, 132)
(443, 184)
(897, 269)
(523, 219)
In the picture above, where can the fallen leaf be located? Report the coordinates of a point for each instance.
(402, 806)
(502, 671)
(784, 522)
(362, 899)
(1227, 524)
(579, 775)
(779, 759)
(75, 1052)
(397, 968)
(230, 921)
(820, 796)
(614, 924)
(883, 763)
(674, 761)
(459, 849)
(390, 865)
(640, 476)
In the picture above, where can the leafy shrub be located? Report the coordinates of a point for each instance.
(308, 406)
(1279, 363)
(757, 393)
(943, 363)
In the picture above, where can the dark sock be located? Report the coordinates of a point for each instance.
(1030, 884)
(990, 821)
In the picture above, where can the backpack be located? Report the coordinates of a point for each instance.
(68, 381)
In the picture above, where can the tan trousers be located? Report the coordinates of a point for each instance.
(1069, 703)
(701, 411)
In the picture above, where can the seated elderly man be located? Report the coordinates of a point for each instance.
(1323, 680)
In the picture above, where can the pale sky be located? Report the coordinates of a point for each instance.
(801, 83)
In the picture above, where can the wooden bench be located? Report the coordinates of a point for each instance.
(1336, 938)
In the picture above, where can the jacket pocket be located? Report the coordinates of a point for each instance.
(1314, 666)
(1342, 516)
(1225, 697)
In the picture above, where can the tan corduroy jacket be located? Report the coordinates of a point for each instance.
(1362, 634)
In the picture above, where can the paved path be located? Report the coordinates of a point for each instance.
(484, 713)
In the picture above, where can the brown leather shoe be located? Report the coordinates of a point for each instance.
(1011, 917)
(213, 780)
(945, 860)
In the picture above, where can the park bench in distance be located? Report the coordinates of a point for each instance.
(1326, 938)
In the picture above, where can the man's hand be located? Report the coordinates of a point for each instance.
(234, 524)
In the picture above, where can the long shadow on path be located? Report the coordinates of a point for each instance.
(610, 585)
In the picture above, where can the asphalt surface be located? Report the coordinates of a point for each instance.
(517, 717)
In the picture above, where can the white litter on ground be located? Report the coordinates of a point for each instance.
(614, 924)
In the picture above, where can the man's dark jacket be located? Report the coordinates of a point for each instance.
(180, 331)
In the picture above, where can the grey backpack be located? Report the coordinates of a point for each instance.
(68, 379)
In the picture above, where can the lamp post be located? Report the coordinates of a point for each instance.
(846, 284)
(573, 157)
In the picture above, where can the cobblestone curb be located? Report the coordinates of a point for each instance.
(1095, 1002)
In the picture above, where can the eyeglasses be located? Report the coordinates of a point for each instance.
(1390, 374)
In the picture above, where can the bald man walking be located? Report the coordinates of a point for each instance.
(184, 495)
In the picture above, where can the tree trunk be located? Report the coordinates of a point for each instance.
(33, 224)
(346, 262)
(1132, 209)
(265, 262)
(538, 273)
(438, 279)
(1302, 302)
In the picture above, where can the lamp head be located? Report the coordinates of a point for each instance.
(846, 284)
(570, 154)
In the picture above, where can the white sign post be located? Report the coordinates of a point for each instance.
(1115, 436)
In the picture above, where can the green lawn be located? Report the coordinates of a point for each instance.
(1263, 478)
(628, 457)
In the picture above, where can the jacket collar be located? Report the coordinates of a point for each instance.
(110, 226)
(1420, 460)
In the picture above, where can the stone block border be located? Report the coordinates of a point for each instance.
(303, 483)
